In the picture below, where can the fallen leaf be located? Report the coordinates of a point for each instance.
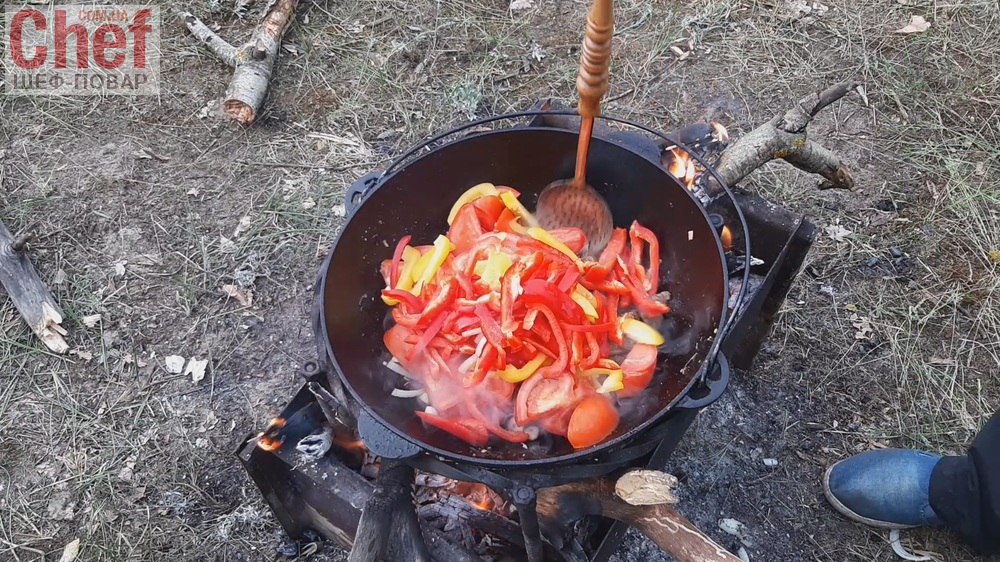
(196, 368)
(174, 364)
(193, 192)
(863, 326)
(994, 256)
(227, 246)
(340, 210)
(308, 203)
(917, 25)
(128, 471)
(82, 353)
(517, 5)
(60, 277)
(837, 232)
(851, 307)
(120, 268)
(91, 321)
(244, 297)
(242, 227)
(71, 551)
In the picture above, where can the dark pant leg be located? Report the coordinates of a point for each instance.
(965, 491)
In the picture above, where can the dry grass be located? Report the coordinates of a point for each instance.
(138, 463)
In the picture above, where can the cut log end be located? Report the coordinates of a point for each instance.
(240, 111)
(647, 487)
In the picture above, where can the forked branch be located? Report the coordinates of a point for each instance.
(784, 137)
(252, 63)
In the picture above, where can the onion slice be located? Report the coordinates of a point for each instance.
(407, 393)
(397, 367)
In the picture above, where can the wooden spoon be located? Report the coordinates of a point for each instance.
(573, 203)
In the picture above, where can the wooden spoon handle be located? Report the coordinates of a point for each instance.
(592, 82)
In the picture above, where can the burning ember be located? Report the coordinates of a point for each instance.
(682, 166)
(271, 439)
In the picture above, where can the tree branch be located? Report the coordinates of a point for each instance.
(219, 46)
(784, 137)
(253, 63)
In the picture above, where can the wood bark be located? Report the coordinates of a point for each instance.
(28, 292)
(670, 530)
(252, 63)
(389, 528)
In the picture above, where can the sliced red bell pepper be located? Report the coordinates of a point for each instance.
(646, 305)
(653, 274)
(562, 361)
(569, 280)
(638, 368)
(428, 335)
(492, 426)
(577, 341)
(613, 286)
(589, 328)
(404, 319)
(606, 261)
(593, 350)
(503, 221)
(397, 259)
(538, 291)
(484, 365)
(412, 304)
(491, 330)
(472, 432)
(441, 300)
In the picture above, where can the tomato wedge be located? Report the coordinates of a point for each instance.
(466, 229)
(574, 238)
(637, 369)
(488, 210)
(472, 432)
(541, 396)
(593, 420)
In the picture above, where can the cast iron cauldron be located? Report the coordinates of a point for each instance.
(414, 199)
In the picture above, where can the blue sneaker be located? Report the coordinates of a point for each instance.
(887, 488)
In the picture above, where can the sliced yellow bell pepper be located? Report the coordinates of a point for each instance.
(514, 375)
(419, 267)
(543, 236)
(587, 307)
(411, 256)
(493, 268)
(515, 206)
(470, 195)
(442, 247)
(614, 382)
(583, 292)
(640, 332)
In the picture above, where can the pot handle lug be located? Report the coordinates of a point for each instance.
(359, 190)
(716, 384)
(382, 441)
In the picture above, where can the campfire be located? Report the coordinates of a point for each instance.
(408, 503)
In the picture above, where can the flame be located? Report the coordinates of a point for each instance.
(682, 166)
(269, 439)
(350, 445)
(485, 504)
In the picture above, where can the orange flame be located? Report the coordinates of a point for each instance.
(269, 439)
(682, 167)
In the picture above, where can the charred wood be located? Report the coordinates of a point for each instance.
(389, 527)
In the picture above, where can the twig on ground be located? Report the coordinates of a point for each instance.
(252, 63)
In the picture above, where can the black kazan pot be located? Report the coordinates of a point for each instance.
(415, 198)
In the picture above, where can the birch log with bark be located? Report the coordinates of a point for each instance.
(28, 292)
(670, 530)
(253, 63)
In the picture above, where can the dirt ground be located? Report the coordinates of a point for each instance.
(150, 206)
